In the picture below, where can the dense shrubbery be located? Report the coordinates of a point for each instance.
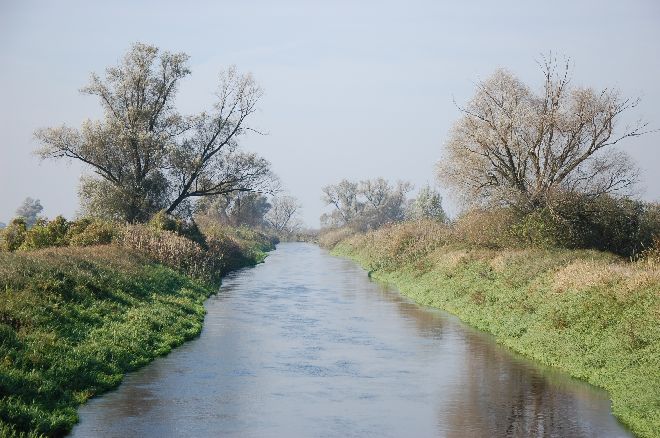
(173, 242)
(58, 232)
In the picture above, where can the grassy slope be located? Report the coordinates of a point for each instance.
(74, 320)
(585, 312)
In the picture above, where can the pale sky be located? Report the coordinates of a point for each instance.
(353, 89)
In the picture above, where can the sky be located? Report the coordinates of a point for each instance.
(353, 89)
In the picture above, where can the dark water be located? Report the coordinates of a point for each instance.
(306, 345)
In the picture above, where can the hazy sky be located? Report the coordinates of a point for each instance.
(354, 89)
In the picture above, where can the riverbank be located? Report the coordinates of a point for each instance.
(588, 313)
(74, 320)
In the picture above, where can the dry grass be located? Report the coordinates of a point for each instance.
(172, 250)
(331, 237)
(591, 274)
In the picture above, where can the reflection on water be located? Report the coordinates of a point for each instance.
(306, 345)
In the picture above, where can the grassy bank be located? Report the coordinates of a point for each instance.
(589, 313)
(74, 320)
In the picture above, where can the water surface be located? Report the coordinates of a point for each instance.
(306, 345)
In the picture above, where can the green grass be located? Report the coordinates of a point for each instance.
(587, 313)
(73, 321)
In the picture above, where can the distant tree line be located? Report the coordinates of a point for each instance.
(370, 204)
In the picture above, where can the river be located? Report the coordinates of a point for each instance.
(306, 344)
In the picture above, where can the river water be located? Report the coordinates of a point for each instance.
(307, 345)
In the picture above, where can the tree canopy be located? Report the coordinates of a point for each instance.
(29, 210)
(146, 156)
(514, 146)
(366, 204)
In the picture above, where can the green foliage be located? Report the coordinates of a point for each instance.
(74, 320)
(543, 229)
(58, 232)
(162, 221)
(591, 314)
(13, 235)
(427, 205)
(619, 225)
(240, 246)
(88, 232)
(44, 234)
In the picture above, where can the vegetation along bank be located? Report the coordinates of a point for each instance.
(590, 313)
(84, 302)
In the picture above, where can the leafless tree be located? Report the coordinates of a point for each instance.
(146, 155)
(516, 147)
(282, 217)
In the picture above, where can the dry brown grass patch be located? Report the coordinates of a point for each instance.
(589, 274)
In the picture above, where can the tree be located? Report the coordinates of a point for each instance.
(366, 204)
(427, 205)
(282, 217)
(384, 203)
(29, 210)
(146, 156)
(241, 208)
(344, 198)
(516, 147)
(249, 209)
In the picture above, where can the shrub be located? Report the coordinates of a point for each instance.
(44, 234)
(13, 235)
(87, 232)
(542, 228)
(622, 226)
(486, 228)
(166, 222)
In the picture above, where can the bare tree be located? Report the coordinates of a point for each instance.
(282, 217)
(146, 155)
(514, 146)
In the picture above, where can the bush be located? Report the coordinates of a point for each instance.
(619, 225)
(542, 228)
(13, 235)
(166, 222)
(44, 234)
(330, 237)
(486, 228)
(88, 232)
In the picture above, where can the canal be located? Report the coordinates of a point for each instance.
(306, 344)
